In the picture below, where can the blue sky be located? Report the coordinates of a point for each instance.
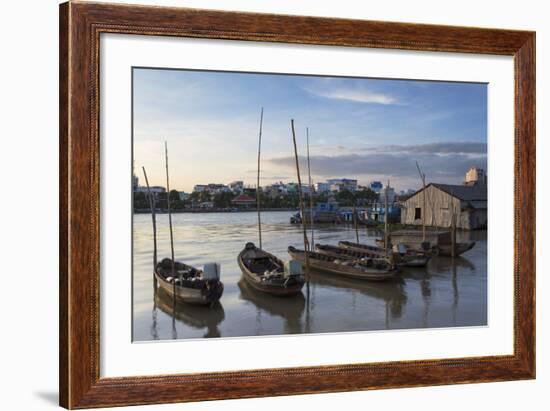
(369, 129)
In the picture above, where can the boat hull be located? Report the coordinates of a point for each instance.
(347, 252)
(319, 218)
(440, 242)
(272, 289)
(283, 287)
(330, 265)
(195, 296)
(369, 250)
(407, 260)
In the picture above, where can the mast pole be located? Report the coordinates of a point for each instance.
(169, 214)
(258, 179)
(301, 196)
(312, 246)
(154, 218)
(386, 217)
(423, 178)
(453, 228)
(355, 222)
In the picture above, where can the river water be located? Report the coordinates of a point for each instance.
(443, 294)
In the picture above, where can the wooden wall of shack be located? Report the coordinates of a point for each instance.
(439, 208)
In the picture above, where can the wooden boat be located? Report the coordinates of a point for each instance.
(438, 241)
(373, 250)
(182, 282)
(265, 272)
(374, 269)
(407, 258)
(349, 253)
(188, 285)
(319, 217)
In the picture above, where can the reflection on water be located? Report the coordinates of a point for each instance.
(446, 293)
(289, 309)
(191, 315)
(392, 293)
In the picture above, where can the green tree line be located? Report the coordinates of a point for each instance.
(223, 199)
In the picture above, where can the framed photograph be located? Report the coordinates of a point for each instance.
(261, 205)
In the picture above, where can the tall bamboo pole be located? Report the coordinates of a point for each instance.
(301, 195)
(258, 180)
(423, 178)
(355, 222)
(453, 229)
(386, 218)
(170, 215)
(154, 218)
(312, 246)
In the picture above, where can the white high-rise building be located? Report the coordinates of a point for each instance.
(339, 184)
(475, 176)
(391, 194)
(322, 187)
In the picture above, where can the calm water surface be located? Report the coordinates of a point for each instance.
(443, 294)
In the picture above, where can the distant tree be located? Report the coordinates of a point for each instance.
(366, 195)
(292, 200)
(320, 198)
(250, 192)
(345, 197)
(175, 201)
(223, 199)
(161, 200)
(199, 197)
(141, 202)
(275, 202)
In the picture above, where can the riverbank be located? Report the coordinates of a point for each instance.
(213, 210)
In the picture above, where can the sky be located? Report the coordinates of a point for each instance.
(362, 128)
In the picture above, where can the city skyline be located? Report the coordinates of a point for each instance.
(139, 184)
(365, 129)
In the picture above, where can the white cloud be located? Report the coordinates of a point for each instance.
(355, 95)
(442, 162)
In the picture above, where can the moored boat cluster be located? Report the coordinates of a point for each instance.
(268, 274)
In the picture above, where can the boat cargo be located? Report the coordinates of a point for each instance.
(265, 272)
(440, 242)
(188, 284)
(374, 269)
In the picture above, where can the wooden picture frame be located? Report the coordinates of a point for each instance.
(80, 27)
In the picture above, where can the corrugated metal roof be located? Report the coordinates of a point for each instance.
(466, 193)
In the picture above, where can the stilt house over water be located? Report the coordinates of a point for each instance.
(469, 203)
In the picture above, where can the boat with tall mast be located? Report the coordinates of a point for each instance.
(182, 282)
(375, 269)
(351, 250)
(262, 270)
(310, 182)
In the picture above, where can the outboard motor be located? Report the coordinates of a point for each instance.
(292, 267)
(400, 248)
(211, 271)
